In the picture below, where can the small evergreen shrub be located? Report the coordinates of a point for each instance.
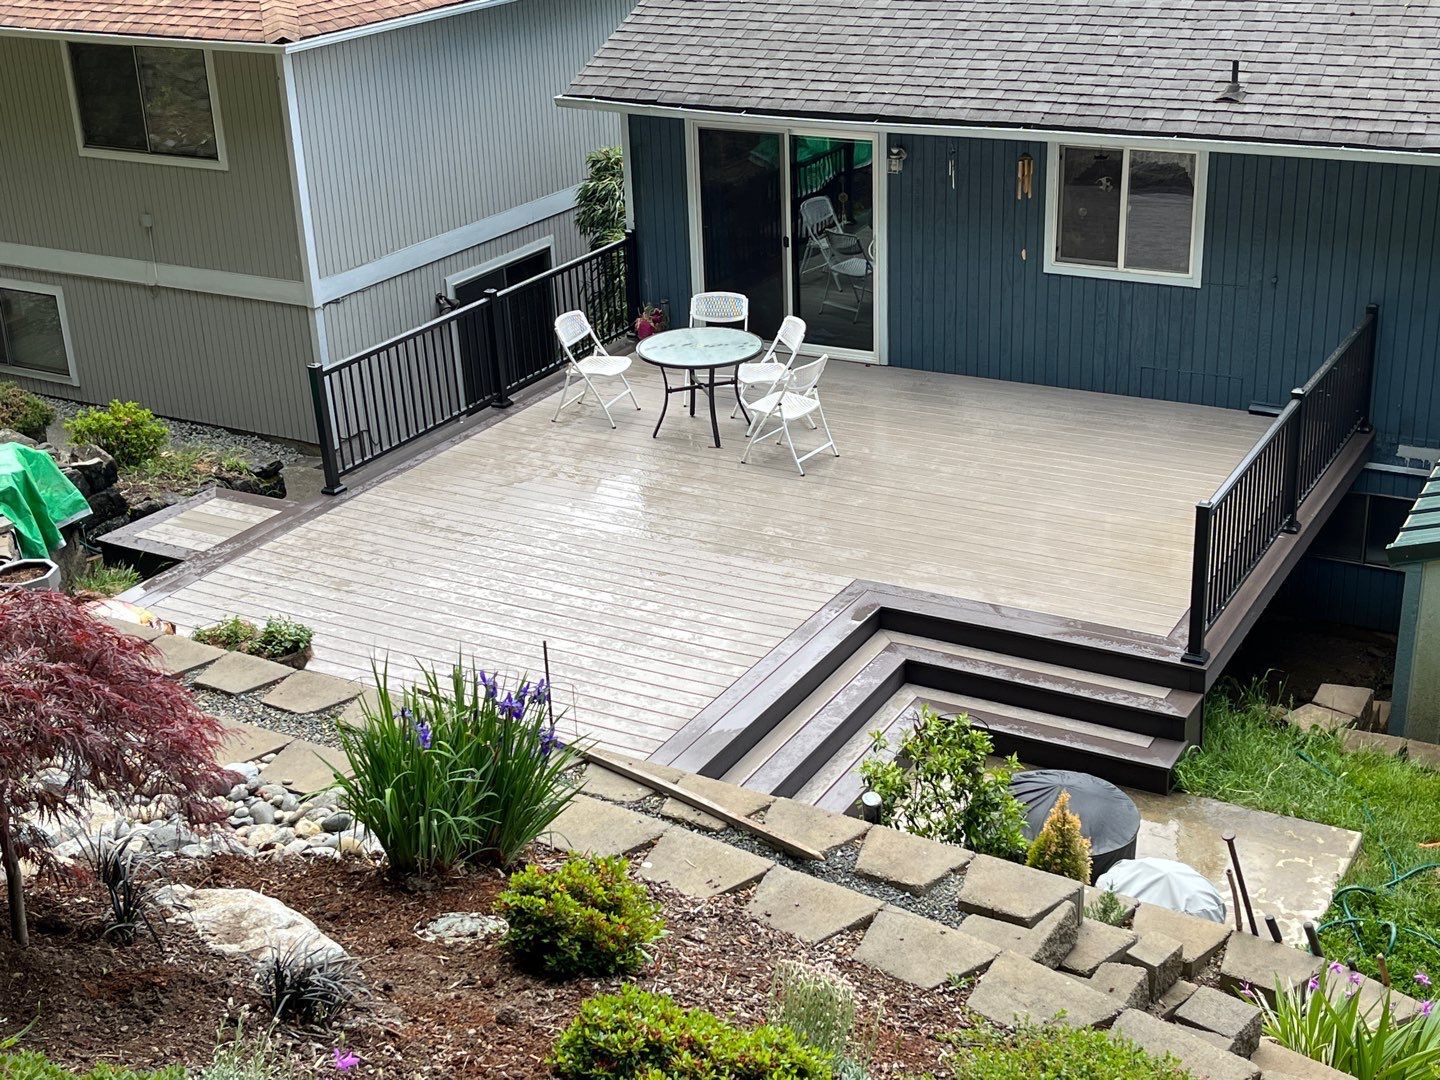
(1055, 1052)
(637, 1035)
(1058, 847)
(1107, 909)
(946, 793)
(22, 411)
(585, 918)
(126, 430)
(600, 198)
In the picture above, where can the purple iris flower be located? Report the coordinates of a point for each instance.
(1314, 983)
(542, 690)
(512, 707)
(550, 742)
(1426, 1008)
(423, 735)
(343, 1060)
(491, 683)
(1422, 979)
(524, 692)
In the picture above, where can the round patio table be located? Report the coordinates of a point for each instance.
(698, 350)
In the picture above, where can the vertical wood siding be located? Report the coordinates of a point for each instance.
(240, 220)
(412, 133)
(662, 223)
(213, 359)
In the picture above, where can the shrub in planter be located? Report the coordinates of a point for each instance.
(451, 773)
(937, 786)
(642, 1036)
(1058, 847)
(22, 411)
(281, 639)
(585, 918)
(126, 430)
(233, 633)
(1054, 1052)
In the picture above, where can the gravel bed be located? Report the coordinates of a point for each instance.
(316, 727)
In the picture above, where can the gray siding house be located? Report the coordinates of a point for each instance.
(197, 202)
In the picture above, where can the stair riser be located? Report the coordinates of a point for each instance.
(1049, 755)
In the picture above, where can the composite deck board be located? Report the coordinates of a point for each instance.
(660, 570)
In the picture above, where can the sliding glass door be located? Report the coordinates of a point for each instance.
(832, 265)
(740, 221)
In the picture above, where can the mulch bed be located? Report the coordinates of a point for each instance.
(457, 1010)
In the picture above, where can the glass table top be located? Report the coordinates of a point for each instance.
(700, 347)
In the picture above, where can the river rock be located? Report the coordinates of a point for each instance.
(243, 922)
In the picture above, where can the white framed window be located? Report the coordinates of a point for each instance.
(145, 103)
(1125, 212)
(34, 333)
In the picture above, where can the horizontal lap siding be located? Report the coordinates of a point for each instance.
(1294, 250)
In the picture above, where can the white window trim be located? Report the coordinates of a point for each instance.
(1113, 273)
(70, 378)
(455, 280)
(220, 163)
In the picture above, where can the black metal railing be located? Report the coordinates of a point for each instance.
(1261, 499)
(475, 356)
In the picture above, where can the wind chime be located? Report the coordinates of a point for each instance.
(1025, 178)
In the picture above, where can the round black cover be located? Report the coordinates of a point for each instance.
(1107, 815)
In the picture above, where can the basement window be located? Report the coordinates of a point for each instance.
(145, 102)
(1361, 528)
(1127, 213)
(34, 340)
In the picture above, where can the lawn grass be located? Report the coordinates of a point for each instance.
(1254, 759)
(108, 579)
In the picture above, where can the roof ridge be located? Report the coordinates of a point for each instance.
(280, 21)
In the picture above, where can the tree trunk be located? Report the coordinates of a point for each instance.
(14, 884)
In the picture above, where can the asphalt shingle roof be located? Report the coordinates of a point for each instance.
(1365, 73)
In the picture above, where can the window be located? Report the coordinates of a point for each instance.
(33, 337)
(1125, 213)
(145, 100)
(1361, 528)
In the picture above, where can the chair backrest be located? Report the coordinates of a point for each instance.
(791, 336)
(817, 215)
(719, 307)
(572, 328)
(805, 379)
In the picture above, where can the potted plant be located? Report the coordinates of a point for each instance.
(30, 574)
(283, 640)
(651, 320)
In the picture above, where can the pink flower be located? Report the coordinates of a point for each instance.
(1314, 983)
(343, 1060)
(1336, 967)
(1356, 978)
(1426, 1007)
(1246, 990)
(1422, 978)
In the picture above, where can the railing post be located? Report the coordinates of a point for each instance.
(503, 331)
(1296, 436)
(1372, 314)
(1195, 652)
(631, 254)
(325, 430)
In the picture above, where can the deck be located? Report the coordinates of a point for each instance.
(660, 570)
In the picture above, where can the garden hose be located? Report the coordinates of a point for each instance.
(1397, 877)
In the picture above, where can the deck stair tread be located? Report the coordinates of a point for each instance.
(1037, 666)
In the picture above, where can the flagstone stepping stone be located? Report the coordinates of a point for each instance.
(1013, 893)
(1096, 943)
(741, 801)
(1200, 939)
(913, 863)
(134, 629)
(179, 655)
(305, 767)
(354, 713)
(1019, 990)
(311, 692)
(812, 827)
(604, 784)
(240, 673)
(1278, 1062)
(810, 909)
(245, 742)
(1265, 965)
(600, 828)
(698, 866)
(920, 951)
(1198, 1057)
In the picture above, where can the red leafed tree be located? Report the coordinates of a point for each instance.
(85, 713)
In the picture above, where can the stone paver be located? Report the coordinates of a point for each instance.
(1016, 989)
(354, 713)
(1423, 753)
(239, 673)
(1047, 942)
(180, 654)
(1096, 943)
(1200, 1058)
(913, 863)
(604, 784)
(807, 907)
(1278, 1062)
(801, 823)
(921, 951)
(698, 866)
(1237, 1021)
(738, 800)
(1176, 996)
(133, 629)
(1127, 984)
(1380, 716)
(1159, 954)
(600, 828)
(1200, 939)
(1013, 893)
(305, 766)
(1355, 741)
(1402, 1007)
(245, 742)
(311, 692)
(1314, 717)
(1353, 701)
(1264, 964)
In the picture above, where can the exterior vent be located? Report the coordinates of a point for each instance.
(1233, 91)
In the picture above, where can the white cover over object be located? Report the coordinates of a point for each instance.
(1165, 883)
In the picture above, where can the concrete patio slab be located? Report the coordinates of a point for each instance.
(1013, 893)
(1096, 943)
(738, 800)
(1197, 1056)
(1200, 940)
(311, 692)
(1047, 942)
(133, 629)
(698, 866)
(811, 909)
(240, 673)
(1019, 990)
(1126, 984)
(811, 826)
(920, 951)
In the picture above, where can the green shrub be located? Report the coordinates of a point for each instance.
(1054, 1052)
(444, 776)
(281, 637)
(28, 1065)
(127, 431)
(821, 1009)
(938, 786)
(107, 579)
(233, 633)
(1107, 909)
(586, 918)
(642, 1036)
(22, 411)
(1059, 847)
(600, 198)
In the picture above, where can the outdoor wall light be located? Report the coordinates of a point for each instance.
(897, 159)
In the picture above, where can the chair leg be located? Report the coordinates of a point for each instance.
(564, 392)
(785, 426)
(757, 424)
(630, 390)
(603, 406)
(826, 424)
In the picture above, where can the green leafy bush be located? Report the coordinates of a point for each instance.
(1331, 1027)
(234, 633)
(585, 918)
(22, 411)
(1059, 847)
(1054, 1052)
(281, 637)
(126, 430)
(938, 786)
(450, 774)
(600, 198)
(642, 1036)
(29, 1065)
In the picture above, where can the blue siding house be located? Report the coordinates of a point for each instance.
(1182, 199)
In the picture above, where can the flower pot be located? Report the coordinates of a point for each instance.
(30, 574)
(297, 660)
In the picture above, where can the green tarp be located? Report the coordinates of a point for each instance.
(37, 499)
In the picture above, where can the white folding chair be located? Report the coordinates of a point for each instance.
(711, 308)
(851, 270)
(767, 372)
(797, 398)
(573, 328)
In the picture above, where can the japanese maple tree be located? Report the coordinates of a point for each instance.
(86, 714)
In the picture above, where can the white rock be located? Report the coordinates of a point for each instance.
(247, 770)
(306, 828)
(243, 922)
